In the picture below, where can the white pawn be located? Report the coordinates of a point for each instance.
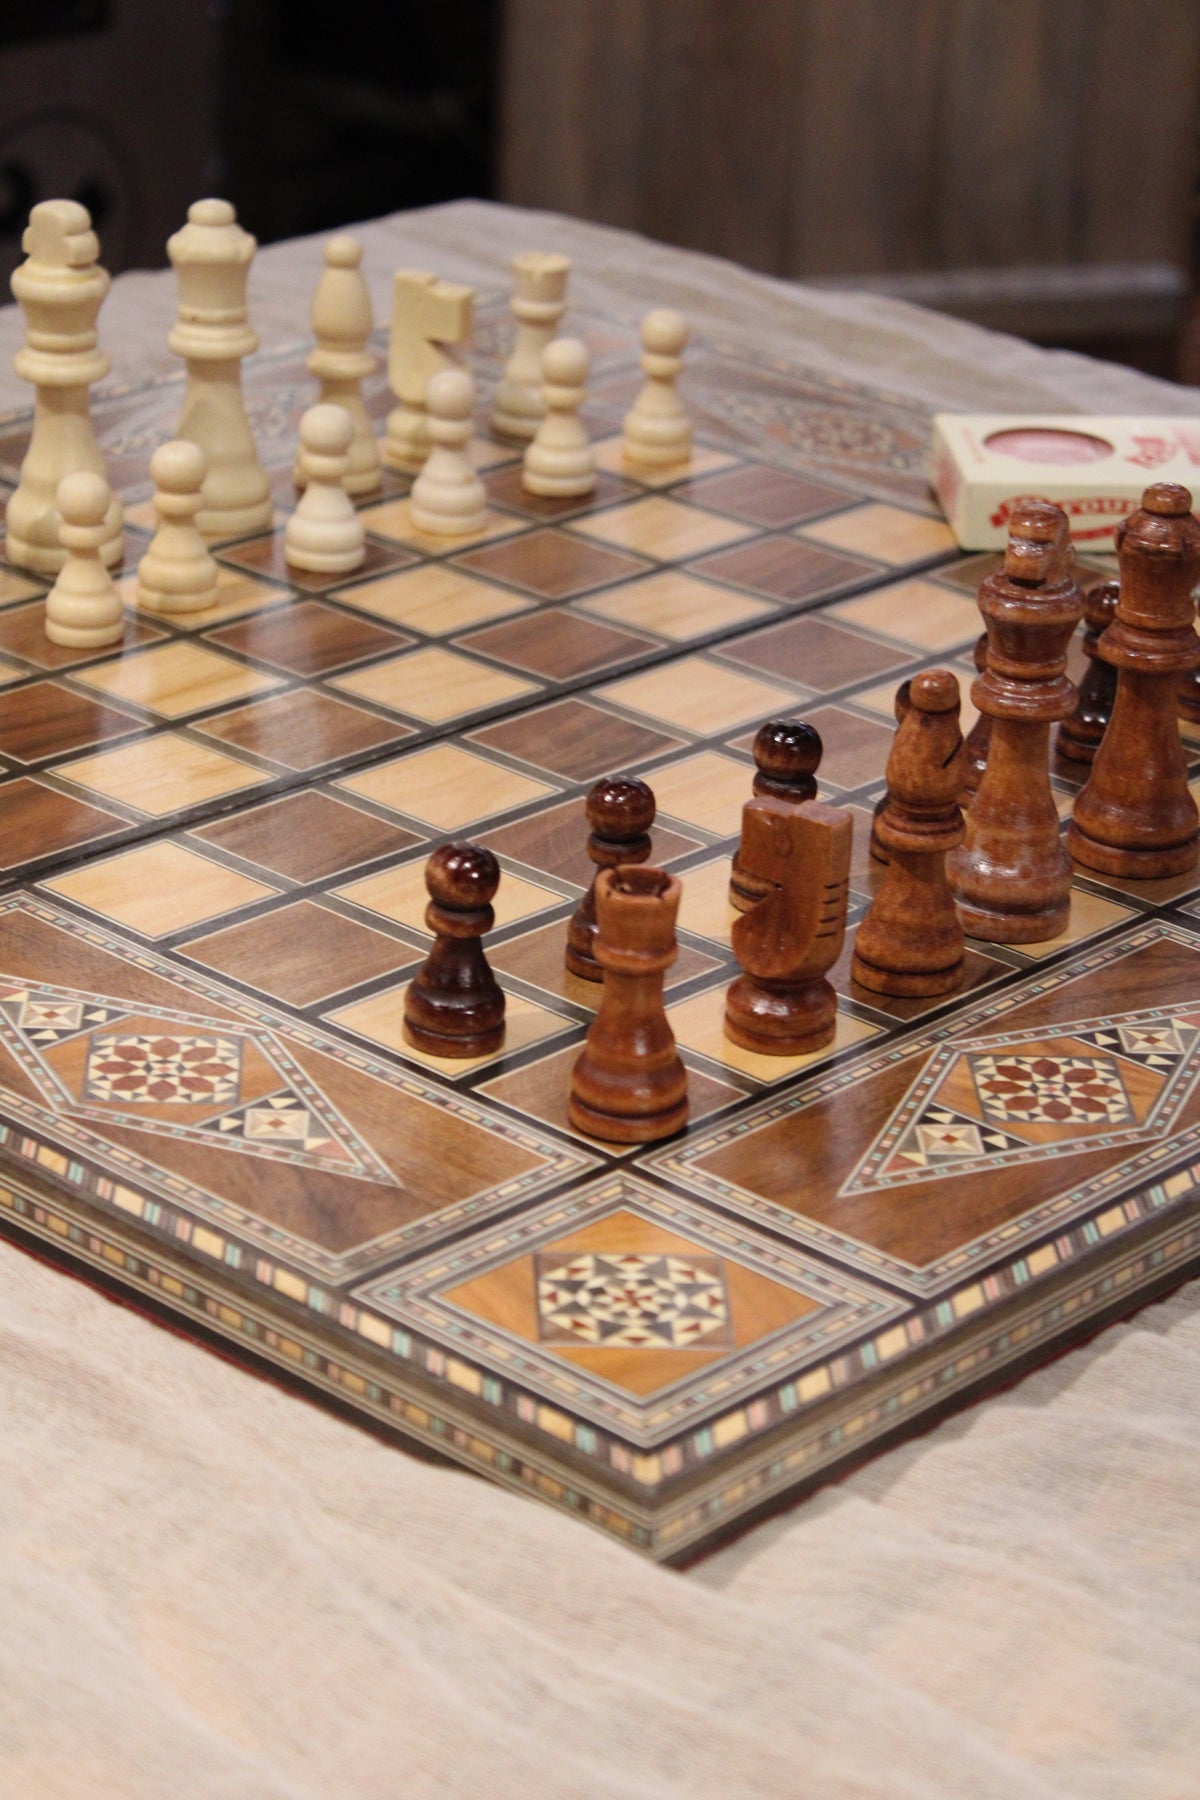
(325, 533)
(447, 497)
(340, 360)
(657, 430)
(177, 574)
(83, 608)
(559, 461)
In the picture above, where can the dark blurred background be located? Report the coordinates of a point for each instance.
(1031, 164)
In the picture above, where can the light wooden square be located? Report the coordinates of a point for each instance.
(393, 519)
(663, 528)
(702, 461)
(435, 599)
(445, 787)
(888, 533)
(704, 906)
(10, 671)
(381, 1020)
(1089, 915)
(676, 606)
(699, 1024)
(161, 775)
(178, 678)
(433, 684)
(708, 790)
(916, 613)
(400, 894)
(157, 888)
(700, 696)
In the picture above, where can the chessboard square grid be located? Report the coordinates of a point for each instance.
(435, 599)
(306, 836)
(575, 739)
(303, 729)
(676, 606)
(158, 888)
(175, 679)
(444, 786)
(694, 695)
(434, 685)
(888, 533)
(161, 775)
(662, 528)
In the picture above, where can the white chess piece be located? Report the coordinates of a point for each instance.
(560, 461)
(60, 286)
(83, 608)
(340, 360)
(212, 256)
(177, 574)
(538, 303)
(657, 430)
(325, 533)
(429, 318)
(447, 497)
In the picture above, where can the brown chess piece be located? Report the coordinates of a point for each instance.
(782, 1005)
(911, 941)
(875, 847)
(1011, 875)
(620, 812)
(787, 754)
(979, 736)
(453, 1006)
(1135, 817)
(1079, 736)
(629, 1085)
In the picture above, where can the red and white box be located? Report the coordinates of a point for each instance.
(1096, 469)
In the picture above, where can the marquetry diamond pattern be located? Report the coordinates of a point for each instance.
(634, 1301)
(1054, 1090)
(170, 1069)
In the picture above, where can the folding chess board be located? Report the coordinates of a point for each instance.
(213, 843)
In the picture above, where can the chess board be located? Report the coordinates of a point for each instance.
(212, 844)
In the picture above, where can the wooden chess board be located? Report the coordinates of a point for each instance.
(213, 843)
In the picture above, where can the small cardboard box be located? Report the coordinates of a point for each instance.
(1096, 469)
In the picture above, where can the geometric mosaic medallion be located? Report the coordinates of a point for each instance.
(631, 1301)
(167, 1068)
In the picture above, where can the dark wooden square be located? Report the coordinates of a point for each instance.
(265, 556)
(37, 821)
(552, 564)
(45, 719)
(774, 498)
(301, 953)
(23, 634)
(504, 488)
(576, 739)
(309, 638)
(855, 749)
(560, 647)
(303, 730)
(810, 650)
(556, 842)
(783, 568)
(306, 836)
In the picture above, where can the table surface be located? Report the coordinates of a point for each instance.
(243, 1595)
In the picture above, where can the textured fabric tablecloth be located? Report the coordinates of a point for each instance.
(211, 1588)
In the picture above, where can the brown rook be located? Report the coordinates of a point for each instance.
(911, 941)
(453, 1005)
(1079, 736)
(1136, 817)
(629, 1085)
(787, 755)
(782, 1005)
(1011, 876)
(620, 812)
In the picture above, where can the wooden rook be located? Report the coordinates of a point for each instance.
(620, 812)
(454, 1007)
(429, 317)
(1079, 735)
(980, 734)
(911, 941)
(787, 755)
(901, 705)
(1011, 876)
(783, 1005)
(1135, 817)
(629, 1085)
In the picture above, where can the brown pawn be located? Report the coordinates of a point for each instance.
(1011, 876)
(782, 1005)
(911, 941)
(620, 813)
(787, 755)
(1079, 736)
(1136, 817)
(900, 706)
(453, 1006)
(629, 1085)
(979, 736)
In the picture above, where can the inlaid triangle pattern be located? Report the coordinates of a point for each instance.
(176, 1075)
(1021, 1097)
